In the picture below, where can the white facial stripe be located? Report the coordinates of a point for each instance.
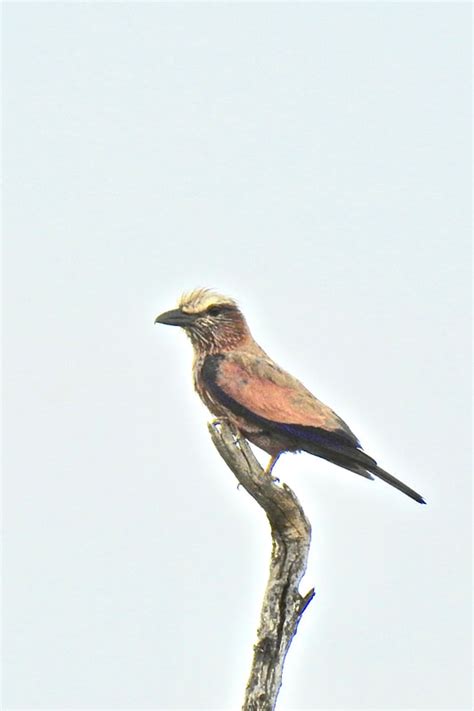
(200, 300)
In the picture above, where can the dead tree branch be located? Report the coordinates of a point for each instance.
(283, 605)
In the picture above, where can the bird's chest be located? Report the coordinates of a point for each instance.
(204, 393)
(250, 429)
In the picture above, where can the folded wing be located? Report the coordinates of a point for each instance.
(257, 390)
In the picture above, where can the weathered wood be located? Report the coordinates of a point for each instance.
(283, 605)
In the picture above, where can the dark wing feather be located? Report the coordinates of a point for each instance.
(249, 396)
(258, 391)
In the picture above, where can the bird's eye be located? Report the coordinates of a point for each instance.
(214, 311)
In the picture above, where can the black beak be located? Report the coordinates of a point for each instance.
(176, 318)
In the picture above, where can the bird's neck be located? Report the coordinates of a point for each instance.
(226, 339)
(241, 345)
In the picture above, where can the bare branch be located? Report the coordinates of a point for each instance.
(283, 605)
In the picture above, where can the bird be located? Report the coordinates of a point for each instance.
(237, 380)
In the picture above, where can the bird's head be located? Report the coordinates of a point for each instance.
(213, 322)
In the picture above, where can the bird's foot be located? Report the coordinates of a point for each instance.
(269, 467)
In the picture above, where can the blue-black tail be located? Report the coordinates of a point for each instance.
(359, 462)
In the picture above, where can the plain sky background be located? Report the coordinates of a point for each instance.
(313, 161)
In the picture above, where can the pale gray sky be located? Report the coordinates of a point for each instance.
(313, 161)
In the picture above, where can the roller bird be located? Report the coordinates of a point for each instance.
(237, 380)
